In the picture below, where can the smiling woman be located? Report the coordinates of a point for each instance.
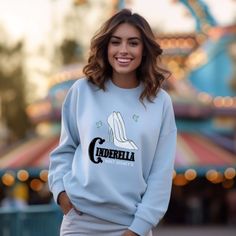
(112, 171)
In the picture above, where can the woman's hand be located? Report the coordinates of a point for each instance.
(129, 233)
(64, 202)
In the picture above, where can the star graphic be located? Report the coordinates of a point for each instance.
(99, 124)
(135, 117)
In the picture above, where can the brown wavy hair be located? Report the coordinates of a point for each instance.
(98, 69)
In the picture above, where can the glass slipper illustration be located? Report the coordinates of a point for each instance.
(117, 133)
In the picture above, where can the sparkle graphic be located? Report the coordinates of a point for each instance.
(99, 124)
(135, 118)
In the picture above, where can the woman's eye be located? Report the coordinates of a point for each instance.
(133, 44)
(114, 42)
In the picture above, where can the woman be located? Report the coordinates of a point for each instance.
(112, 171)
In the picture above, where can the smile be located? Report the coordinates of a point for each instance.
(123, 60)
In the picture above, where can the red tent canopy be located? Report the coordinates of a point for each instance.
(193, 151)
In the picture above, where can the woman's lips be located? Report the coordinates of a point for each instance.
(123, 60)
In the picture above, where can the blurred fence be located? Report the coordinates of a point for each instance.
(33, 220)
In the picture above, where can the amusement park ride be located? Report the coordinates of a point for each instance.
(203, 89)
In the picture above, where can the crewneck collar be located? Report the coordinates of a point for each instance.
(112, 86)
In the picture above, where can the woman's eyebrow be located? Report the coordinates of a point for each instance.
(131, 38)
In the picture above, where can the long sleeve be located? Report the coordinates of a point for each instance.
(62, 156)
(155, 200)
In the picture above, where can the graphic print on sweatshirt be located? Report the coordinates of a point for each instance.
(117, 136)
(117, 133)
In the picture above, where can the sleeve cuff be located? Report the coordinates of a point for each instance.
(56, 190)
(140, 226)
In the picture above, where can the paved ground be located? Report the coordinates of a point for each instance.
(195, 231)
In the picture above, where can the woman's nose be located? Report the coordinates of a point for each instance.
(123, 48)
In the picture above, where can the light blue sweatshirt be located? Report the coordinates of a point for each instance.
(115, 157)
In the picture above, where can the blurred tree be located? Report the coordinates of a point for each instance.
(12, 88)
(79, 2)
(79, 23)
(71, 51)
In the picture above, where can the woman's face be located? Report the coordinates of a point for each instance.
(125, 50)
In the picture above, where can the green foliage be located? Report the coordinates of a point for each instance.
(70, 51)
(12, 90)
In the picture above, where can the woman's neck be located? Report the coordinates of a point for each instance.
(125, 81)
